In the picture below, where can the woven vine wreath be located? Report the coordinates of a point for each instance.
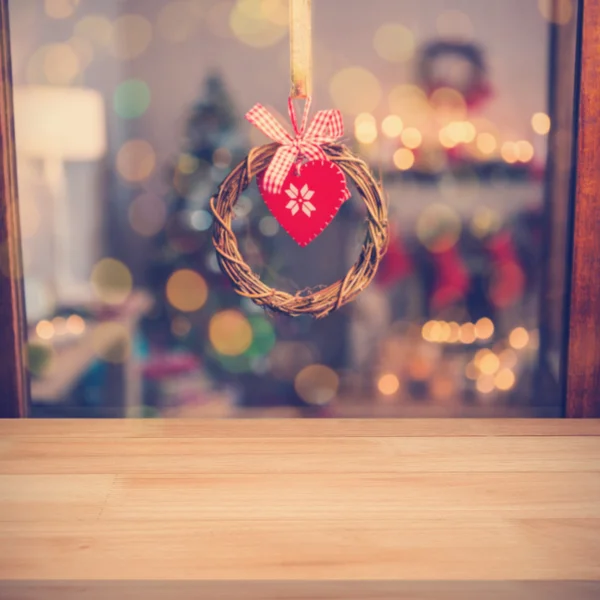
(317, 302)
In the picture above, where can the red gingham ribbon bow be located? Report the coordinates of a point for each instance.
(326, 127)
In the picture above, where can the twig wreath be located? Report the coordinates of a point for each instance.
(317, 302)
(302, 179)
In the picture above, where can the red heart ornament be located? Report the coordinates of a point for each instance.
(311, 196)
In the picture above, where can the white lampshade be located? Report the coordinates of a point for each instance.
(60, 122)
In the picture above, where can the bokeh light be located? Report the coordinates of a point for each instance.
(180, 326)
(485, 384)
(111, 342)
(355, 90)
(316, 384)
(131, 98)
(147, 214)
(448, 104)
(75, 325)
(130, 36)
(388, 384)
(484, 328)
(44, 330)
(392, 126)
(60, 9)
(404, 159)
(136, 160)
(485, 221)
(268, 226)
(186, 290)
(540, 122)
(111, 281)
(518, 338)
(230, 333)
(61, 64)
(509, 152)
(176, 21)
(257, 23)
(263, 337)
(524, 150)
(365, 128)
(467, 333)
(84, 50)
(486, 143)
(394, 42)
(410, 103)
(504, 379)
(489, 363)
(411, 137)
(96, 28)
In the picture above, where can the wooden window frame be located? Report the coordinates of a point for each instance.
(581, 367)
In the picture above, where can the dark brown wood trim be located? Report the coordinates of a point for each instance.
(13, 379)
(583, 360)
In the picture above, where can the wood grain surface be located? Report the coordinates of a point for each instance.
(317, 501)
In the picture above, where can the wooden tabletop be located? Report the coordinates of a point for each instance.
(431, 500)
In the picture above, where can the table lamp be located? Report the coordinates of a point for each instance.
(57, 125)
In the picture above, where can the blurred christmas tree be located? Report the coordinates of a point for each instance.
(197, 309)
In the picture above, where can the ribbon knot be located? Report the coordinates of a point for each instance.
(307, 143)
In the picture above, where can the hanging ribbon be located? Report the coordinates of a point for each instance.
(301, 48)
(326, 127)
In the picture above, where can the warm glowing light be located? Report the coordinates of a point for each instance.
(388, 384)
(136, 160)
(509, 152)
(485, 384)
(186, 290)
(524, 151)
(130, 37)
(355, 90)
(111, 281)
(489, 364)
(518, 338)
(504, 380)
(486, 143)
(60, 325)
(454, 335)
(446, 140)
(316, 384)
(252, 23)
(484, 328)
(230, 333)
(404, 159)
(44, 330)
(394, 42)
(61, 64)
(541, 123)
(411, 137)
(75, 325)
(467, 333)
(365, 130)
(84, 50)
(430, 331)
(60, 9)
(392, 126)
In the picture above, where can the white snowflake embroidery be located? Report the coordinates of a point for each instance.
(300, 200)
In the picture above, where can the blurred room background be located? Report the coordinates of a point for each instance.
(129, 113)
